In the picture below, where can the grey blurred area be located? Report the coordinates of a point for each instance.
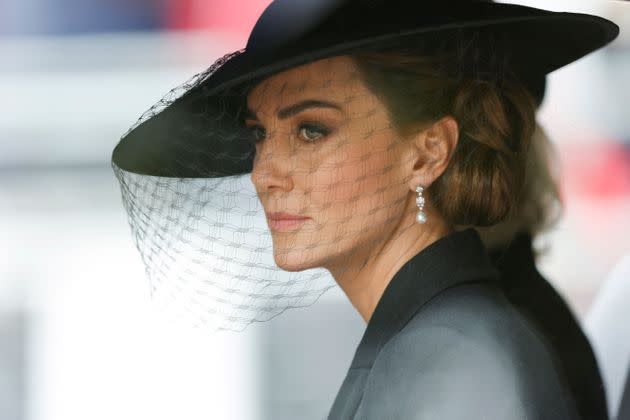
(307, 354)
(13, 328)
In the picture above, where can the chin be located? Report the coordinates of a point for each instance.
(292, 261)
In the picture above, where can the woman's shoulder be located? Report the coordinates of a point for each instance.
(468, 353)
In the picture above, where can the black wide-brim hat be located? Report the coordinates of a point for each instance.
(293, 32)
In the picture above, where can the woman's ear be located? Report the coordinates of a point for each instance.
(434, 146)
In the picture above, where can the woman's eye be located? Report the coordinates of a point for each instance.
(311, 132)
(308, 132)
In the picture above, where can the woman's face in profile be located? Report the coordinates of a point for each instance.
(326, 151)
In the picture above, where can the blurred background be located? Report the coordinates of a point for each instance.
(79, 337)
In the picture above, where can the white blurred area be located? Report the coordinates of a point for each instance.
(93, 345)
(96, 348)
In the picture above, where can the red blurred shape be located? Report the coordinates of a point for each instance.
(234, 16)
(600, 169)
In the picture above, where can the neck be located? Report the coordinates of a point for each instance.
(365, 274)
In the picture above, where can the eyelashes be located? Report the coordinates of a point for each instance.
(319, 131)
(307, 132)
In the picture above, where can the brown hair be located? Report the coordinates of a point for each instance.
(467, 75)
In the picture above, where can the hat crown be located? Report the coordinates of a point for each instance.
(284, 20)
(327, 22)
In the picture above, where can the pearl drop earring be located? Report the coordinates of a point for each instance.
(421, 217)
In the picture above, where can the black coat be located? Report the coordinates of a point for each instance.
(536, 298)
(624, 406)
(445, 343)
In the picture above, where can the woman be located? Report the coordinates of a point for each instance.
(369, 129)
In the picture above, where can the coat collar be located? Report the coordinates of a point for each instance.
(457, 258)
(624, 407)
(516, 258)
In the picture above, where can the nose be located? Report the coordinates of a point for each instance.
(273, 165)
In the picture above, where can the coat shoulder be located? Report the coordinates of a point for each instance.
(468, 353)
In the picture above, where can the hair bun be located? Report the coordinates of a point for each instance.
(485, 177)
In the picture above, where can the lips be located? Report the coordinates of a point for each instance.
(285, 216)
(280, 221)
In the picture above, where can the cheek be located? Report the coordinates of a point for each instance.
(358, 183)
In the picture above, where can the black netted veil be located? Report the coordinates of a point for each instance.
(204, 241)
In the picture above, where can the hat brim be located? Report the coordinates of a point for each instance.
(544, 42)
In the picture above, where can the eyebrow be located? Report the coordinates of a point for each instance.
(296, 108)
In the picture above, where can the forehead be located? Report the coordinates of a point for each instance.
(335, 77)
